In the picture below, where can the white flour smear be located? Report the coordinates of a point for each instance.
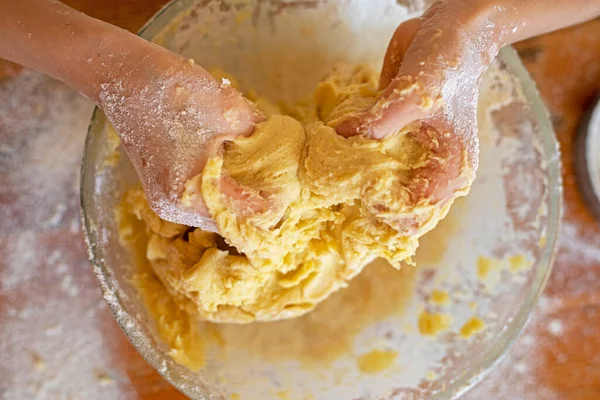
(51, 311)
(576, 276)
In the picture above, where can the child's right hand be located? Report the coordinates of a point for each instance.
(432, 71)
(431, 74)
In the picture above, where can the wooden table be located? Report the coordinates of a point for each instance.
(557, 357)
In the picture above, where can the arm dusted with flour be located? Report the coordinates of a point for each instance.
(171, 115)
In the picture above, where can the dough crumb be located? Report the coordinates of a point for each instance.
(471, 327)
(439, 297)
(484, 266)
(376, 361)
(283, 395)
(38, 362)
(432, 324)
(518, 263)
(104, 378)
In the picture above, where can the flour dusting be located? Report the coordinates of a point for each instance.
(51, 337)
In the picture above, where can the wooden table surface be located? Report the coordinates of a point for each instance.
(558, 356)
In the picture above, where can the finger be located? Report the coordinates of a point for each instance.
(399, 44)
(434, 184)
(397, 48)
(244, 200)
(380, 122)
(349, 126)
(237, 115)
(414, 71)
(195, 215)
(447, 171)
(406, 103)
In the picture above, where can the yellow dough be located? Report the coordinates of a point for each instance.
(317, 208)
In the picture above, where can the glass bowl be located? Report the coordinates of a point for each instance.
(480, 272)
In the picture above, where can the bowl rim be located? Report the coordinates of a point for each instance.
(554, 195)
(163, 364)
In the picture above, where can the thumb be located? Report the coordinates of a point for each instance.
(401, 98)
(406, 103)
(397, 48)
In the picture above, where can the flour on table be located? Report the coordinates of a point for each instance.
(53, 321)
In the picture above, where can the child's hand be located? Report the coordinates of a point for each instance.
(171, 119)
(431, 73)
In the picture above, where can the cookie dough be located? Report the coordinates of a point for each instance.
(315, 209)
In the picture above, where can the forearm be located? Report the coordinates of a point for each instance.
(516, 20)
(57, 40)
(535, 17)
